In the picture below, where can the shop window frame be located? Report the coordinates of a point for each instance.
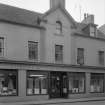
(47, 74)
(102, 74)
(84, 83)
(17, 85)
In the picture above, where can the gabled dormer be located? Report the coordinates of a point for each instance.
(91, 28)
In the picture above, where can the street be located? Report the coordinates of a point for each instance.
(83, 103)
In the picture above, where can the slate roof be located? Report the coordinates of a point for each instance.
(81, 26)
(18, 15)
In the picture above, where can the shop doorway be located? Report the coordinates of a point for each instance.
(58, 85)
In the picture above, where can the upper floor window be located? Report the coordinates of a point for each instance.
(59, 53)
(101, 57)
(1, 46)
(33, 50)
(80, 56)
(58, 27)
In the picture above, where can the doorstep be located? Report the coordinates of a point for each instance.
(56, 101)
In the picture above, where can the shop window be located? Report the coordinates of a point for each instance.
(1, 46)
(36, 83)
(8, 83)
(33, 50)
(77, 83)
(58, 27)
(80, 56)
(101, 57)
(59, 53)
(97, 83)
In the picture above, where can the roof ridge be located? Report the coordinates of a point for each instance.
(19, 8)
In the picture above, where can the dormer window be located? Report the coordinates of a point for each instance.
(92, 31)
(58, 27)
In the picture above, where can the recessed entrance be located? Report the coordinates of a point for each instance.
(58, 85)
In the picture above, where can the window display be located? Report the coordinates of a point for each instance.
(97, 83)
(8, 82)
(76, 82)
(36, 83)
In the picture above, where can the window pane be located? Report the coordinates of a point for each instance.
(97, 83)
(76, 82)
(37, 85)
(30, 85)
(43, 85)
(8, 83)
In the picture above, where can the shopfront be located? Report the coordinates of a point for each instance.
(23, 84)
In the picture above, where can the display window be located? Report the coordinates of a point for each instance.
(76, 83)
(8, 82)
(97, 83)
(37, 83)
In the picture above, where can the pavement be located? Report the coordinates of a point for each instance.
(81, 101)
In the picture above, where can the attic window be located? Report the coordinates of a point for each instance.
(58, 27)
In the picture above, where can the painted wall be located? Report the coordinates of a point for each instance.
(91, 47)
(16, 39)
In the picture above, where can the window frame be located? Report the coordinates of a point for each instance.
(2, 46)
(30, 56)
(97, 74)
(92, 31)
(80, 57)
(101, 58)
(60, 52)
(58, 27)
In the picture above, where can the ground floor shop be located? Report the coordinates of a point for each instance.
(48, 81)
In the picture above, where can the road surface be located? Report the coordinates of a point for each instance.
(83, 103)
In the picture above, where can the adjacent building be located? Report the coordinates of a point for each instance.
(50, 55)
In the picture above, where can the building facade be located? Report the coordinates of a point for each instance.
(50, 55)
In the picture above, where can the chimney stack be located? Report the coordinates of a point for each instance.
(55, 3)
(88, 19)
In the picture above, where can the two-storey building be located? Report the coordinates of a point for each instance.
(50, 55)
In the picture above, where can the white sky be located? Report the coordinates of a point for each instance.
(96, 7)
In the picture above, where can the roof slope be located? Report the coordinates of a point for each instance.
(21, 16)
(18, 15)
(102, 28)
